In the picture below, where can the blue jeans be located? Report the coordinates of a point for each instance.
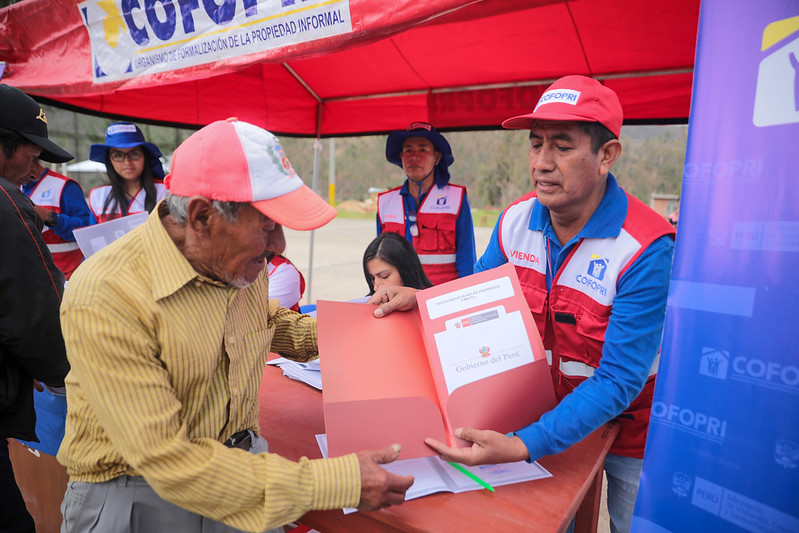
(623, 475)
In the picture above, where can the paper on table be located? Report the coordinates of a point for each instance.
(431, 474)
(309, 373)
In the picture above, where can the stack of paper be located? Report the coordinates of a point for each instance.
(309, 373)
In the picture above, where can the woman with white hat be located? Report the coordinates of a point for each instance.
(134, 172)
(427, 210)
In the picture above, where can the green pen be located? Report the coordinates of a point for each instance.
(471, 476)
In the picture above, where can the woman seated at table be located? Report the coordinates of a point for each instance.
(391, 260)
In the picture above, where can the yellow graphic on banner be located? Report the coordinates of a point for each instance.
(777, 92)
(778, 30)
(112, 22)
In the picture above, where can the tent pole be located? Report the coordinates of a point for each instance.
(317, 151)
(331, 171)
(317, 148)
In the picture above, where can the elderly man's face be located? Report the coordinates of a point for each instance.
(239, 249)
(17, 168)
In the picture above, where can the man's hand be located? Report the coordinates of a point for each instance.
(380, 488)
(488, 447)
(43, 212)
(391, 299)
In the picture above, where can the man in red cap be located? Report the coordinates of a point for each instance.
(594, 263)
(168, 330)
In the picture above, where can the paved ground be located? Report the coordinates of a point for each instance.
(337, 254)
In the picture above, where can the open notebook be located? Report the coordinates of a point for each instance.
(431, 474)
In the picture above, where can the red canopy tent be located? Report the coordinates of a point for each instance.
(458, 64)
(345, 67)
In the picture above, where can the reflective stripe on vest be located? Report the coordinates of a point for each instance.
(62, 247)
(582, 370)
(436, 259)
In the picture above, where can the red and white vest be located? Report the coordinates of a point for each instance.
(47, 193)
(278, 260)
(436, 220)
(98, 195)
(574, 315)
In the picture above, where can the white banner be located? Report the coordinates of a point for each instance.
(136, 37)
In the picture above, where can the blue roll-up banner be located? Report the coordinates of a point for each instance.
(723, 446)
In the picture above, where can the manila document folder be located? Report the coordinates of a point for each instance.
(469, 356)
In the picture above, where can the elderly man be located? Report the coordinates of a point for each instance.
(168, 330)
(594, 264)
(31, 346)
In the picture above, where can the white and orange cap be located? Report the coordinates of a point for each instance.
(234, 161)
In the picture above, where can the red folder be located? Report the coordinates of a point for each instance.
(398, 379)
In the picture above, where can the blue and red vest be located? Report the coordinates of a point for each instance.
(573, 315)
(436, 220)
(47, 193)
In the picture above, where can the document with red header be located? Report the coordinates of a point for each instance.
(469, 356)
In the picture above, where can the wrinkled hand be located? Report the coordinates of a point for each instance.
(391, 299)
(488, 447)
(380, 488)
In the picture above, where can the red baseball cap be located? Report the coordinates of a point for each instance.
(234, 161)
(574, 98)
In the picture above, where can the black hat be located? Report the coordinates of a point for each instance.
(20, 113)
(427, 131)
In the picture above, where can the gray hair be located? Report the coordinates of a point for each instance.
(178, 207)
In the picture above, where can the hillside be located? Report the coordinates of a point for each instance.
(491, 164)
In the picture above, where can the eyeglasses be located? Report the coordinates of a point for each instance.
(118, 157)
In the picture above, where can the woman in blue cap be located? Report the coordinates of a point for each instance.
(430, 212)
(134, 172)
